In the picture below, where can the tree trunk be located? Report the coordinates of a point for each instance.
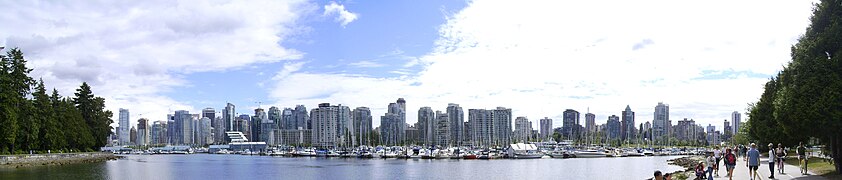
(836, 152)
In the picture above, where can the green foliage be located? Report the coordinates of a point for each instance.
(46, 122)
(805, 99)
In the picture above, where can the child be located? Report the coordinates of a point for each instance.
(700, 170)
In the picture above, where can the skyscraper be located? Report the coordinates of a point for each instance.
(480, 121)
(362, 125)
(490, 127)
(143, 131)
(571, 124)
(627, 131)
(442, 126)
(228, 115)
(457, 120)
(393, 124)
(502, 120)
(203, 131)
(660, 125)
(324, 123)
(546, 129)
(523, 129)
(302, 119)
(590, 122)
(124, 126)
(345, 126)
(288, 119)
(183, 127)
(426, 126)
(256, 125)
(274, 114)
(210, 113)
(735, 118)
(613, 127)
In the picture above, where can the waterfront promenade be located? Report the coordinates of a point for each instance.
(790, 172)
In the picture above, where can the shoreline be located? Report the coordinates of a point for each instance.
(31, 160)
(688, 163)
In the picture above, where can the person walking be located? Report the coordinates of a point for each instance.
(780, 152)
(717, 155)
(753, 161)
(772, 160)
(710, 162)
(730, 162)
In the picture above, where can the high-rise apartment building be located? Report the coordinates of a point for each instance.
(457, 120)
(143, 132)
(546, 129)
(426, 126)
(523, 130)
(124, 132)
(362, 125)
(325, 120)
(661, 123)
(442, 129)
(571, 125)
(735, 118)
(627, 130)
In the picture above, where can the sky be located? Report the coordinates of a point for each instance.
(705, 59)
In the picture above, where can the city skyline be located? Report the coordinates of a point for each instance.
(364, 54)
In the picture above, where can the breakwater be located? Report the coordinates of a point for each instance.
(17, 161)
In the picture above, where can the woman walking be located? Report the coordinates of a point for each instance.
(730, 163)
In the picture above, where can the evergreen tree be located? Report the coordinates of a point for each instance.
(43, 109)
(93, 111)
(806, 97)
(16, 86)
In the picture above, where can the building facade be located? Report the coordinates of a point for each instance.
(546, 131)
(426, 126)
(442, 129)
(661, 124)
(124, 134)
(523, 130)
(457, 120)
(570, 122)
(627, 131)
(324, 124)
(362, 125)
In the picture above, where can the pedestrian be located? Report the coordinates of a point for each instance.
(710, 162)
(668, 176)
(780, 152)
(802, 155)
(753, 158)
(700, 170)
(730, 162)
(717, 154)
(658, 175)
(772, 160)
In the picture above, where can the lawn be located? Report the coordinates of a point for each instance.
(817, 165)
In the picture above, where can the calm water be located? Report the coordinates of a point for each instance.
(210, 166)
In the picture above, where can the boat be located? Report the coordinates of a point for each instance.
(365, 154)
(426, 154)
(524, 151)
(634, 153)
(223, 151)
(442, 154)
(561, 154)
(332, 154)
(648, 152)
(589, 154)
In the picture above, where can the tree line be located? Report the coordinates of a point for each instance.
(804, 100)
(32, 120)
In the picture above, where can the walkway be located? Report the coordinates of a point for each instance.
(741, 172)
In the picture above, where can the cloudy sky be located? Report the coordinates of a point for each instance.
(705, 59)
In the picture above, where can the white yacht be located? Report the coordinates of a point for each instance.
(590, 154)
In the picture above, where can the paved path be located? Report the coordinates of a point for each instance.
(741, 172)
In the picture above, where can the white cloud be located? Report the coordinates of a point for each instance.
(366, 64)
(543, 57)
(133, 52)
(344, 17)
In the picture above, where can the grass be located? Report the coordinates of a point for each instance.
(819, 166)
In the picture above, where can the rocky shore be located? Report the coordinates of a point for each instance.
(688, 163)
(18, 161)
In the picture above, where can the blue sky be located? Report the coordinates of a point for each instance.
(536, 57)
(386, 37)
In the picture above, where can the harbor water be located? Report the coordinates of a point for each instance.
(212, 166)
